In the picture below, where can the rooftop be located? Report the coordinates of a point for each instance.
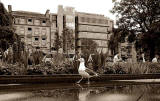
(27, 13)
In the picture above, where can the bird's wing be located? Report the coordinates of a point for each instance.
(91, 72)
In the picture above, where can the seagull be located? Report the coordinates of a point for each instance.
(85, 72)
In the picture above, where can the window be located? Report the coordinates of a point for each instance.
(29, 20)
(22, 30)
(21, 21)
(54, 18)
(16, 21)
(100, 21)
(36, 31)
(82, 19)
(37, 22)
(87, 20)
(93, 20)
(44, 21)
(36, 39)
(106, 22)
(43, 41)
(37, 47)
(44, 31)
(29, 29)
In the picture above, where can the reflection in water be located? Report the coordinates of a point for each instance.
(145, 92)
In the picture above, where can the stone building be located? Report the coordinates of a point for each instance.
(38, 31)
(97, 28)
(33, 28)
(93, 27)
(66, 19)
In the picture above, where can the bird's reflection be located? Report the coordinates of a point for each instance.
(86, 92)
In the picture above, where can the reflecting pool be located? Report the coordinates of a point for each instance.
(111, 91)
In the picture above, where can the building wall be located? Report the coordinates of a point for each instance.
(69, 22)
(53, 19)
(39, 30)
(33, 29)
(94, 27)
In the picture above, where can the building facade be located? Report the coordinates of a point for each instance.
(38, 31)
(34, 29)
(96, 28)
(85, 26)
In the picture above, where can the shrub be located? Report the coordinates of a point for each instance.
(12, 69)
(154, 68)
(133, 68)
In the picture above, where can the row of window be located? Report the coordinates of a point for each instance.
(37, 31)
(93, 28)
(93, 20)
(37, 39)
(30, 21)
(30, 29)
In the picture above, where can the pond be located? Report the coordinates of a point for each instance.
(110, 91)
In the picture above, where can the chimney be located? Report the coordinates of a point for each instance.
(47, 13)
(9, 8)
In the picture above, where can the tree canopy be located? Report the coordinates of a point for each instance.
(139, 15)
(89, 46)
(58, 42)
(68, 39)
(7, 35)
(143, 17)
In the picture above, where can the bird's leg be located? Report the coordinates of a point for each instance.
(80, 80)
(88, 81)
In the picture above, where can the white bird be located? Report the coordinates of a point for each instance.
(85, 72)
(154, 60)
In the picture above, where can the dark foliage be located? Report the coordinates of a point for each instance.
(68, 40)
(140, 16)
(7, 32)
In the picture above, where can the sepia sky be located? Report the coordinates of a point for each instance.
(89, 6)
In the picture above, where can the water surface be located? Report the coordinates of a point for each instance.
(111, 91)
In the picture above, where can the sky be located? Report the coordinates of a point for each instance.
(89, 6)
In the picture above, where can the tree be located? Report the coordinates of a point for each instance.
(68, 39)
(119, 36)
(88, 46)
(114, 40)
(58, 42)
(140, 16)
(7, 33)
